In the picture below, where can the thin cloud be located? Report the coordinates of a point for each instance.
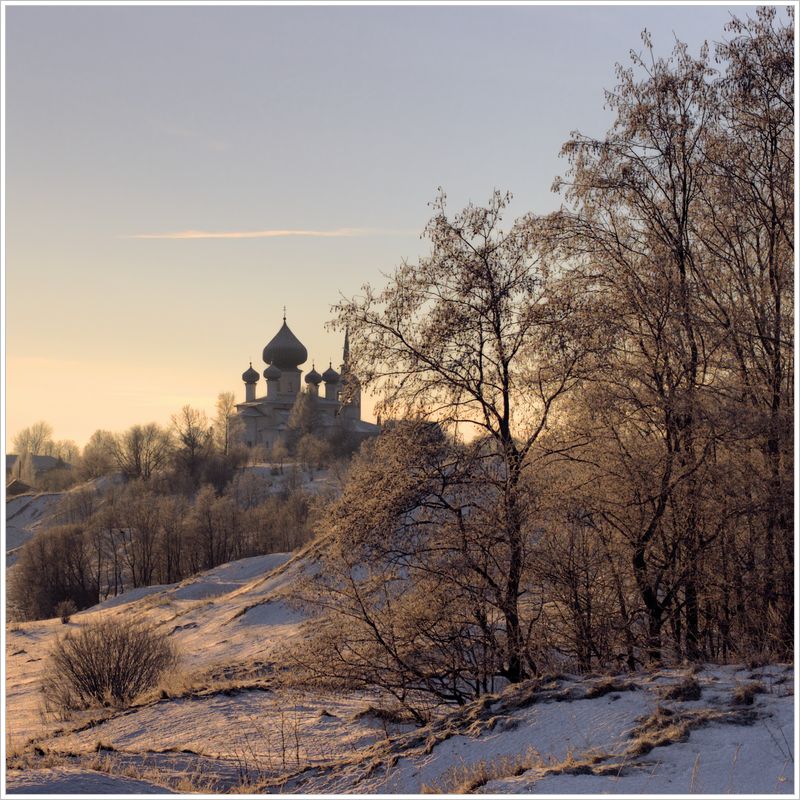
(266, 234)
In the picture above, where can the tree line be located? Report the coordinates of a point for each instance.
(597, 469)
(134, 534)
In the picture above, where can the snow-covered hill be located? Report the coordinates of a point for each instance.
(229, 720)
(25, 514)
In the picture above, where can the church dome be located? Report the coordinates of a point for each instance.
(250, 375)
(285, 350)
(313, 377)
(330, 375)
(272, 373)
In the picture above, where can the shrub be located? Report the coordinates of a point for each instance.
(108, 663)
(65, 609)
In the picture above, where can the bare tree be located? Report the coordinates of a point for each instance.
(142, 451)
(33, 440)
(303, 419)
(478, 334)
(65, 449)
(56, 565)
(139, 524)
(279, 453)
(227, 423)
(749, 237)
(97, 458)
(194, 438)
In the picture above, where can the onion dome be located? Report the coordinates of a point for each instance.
(285, 350)
(272, 373)
(330, 375)
(313, 377)
(250, 375)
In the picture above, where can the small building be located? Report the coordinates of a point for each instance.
(336, 395)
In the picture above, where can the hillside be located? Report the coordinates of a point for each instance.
(25, 514)
(229, 720)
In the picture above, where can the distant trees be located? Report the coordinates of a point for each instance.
(303, 419)
(37, 440)
(98, 457)
(278, 453)
(142, 450)
(56, 565)
(185, 504)
(217, 526)
(193, 437)
(227, 423)
(116, 537)
(34, 439)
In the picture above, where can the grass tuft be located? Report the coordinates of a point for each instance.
(467, 778)
(744, 694)
(609, 685)
(687, 689)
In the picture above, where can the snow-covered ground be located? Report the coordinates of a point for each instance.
(25, 514)
(228, 717)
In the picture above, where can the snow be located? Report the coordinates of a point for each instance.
(25, 514)
(229, 712)
(66, 780)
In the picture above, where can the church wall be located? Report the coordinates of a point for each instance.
(290, 382)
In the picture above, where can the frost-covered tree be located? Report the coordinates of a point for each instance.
(478, 335)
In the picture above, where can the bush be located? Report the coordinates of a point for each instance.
(108, 663)
(65, 609)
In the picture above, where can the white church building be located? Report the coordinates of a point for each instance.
(265, 415)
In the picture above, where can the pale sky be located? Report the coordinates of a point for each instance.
(127, 124)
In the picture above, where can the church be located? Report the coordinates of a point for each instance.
(337, 395)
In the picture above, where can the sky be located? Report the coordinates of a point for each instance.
(309, 141)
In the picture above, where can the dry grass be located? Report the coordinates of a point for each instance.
(184, 783)
(35, 758)
(744, 694)
(466, 778)
(394, 716)
(182, 685)
(687, 689)
(661, 728)
(609, 686)
(666, 726)
(585, 765)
